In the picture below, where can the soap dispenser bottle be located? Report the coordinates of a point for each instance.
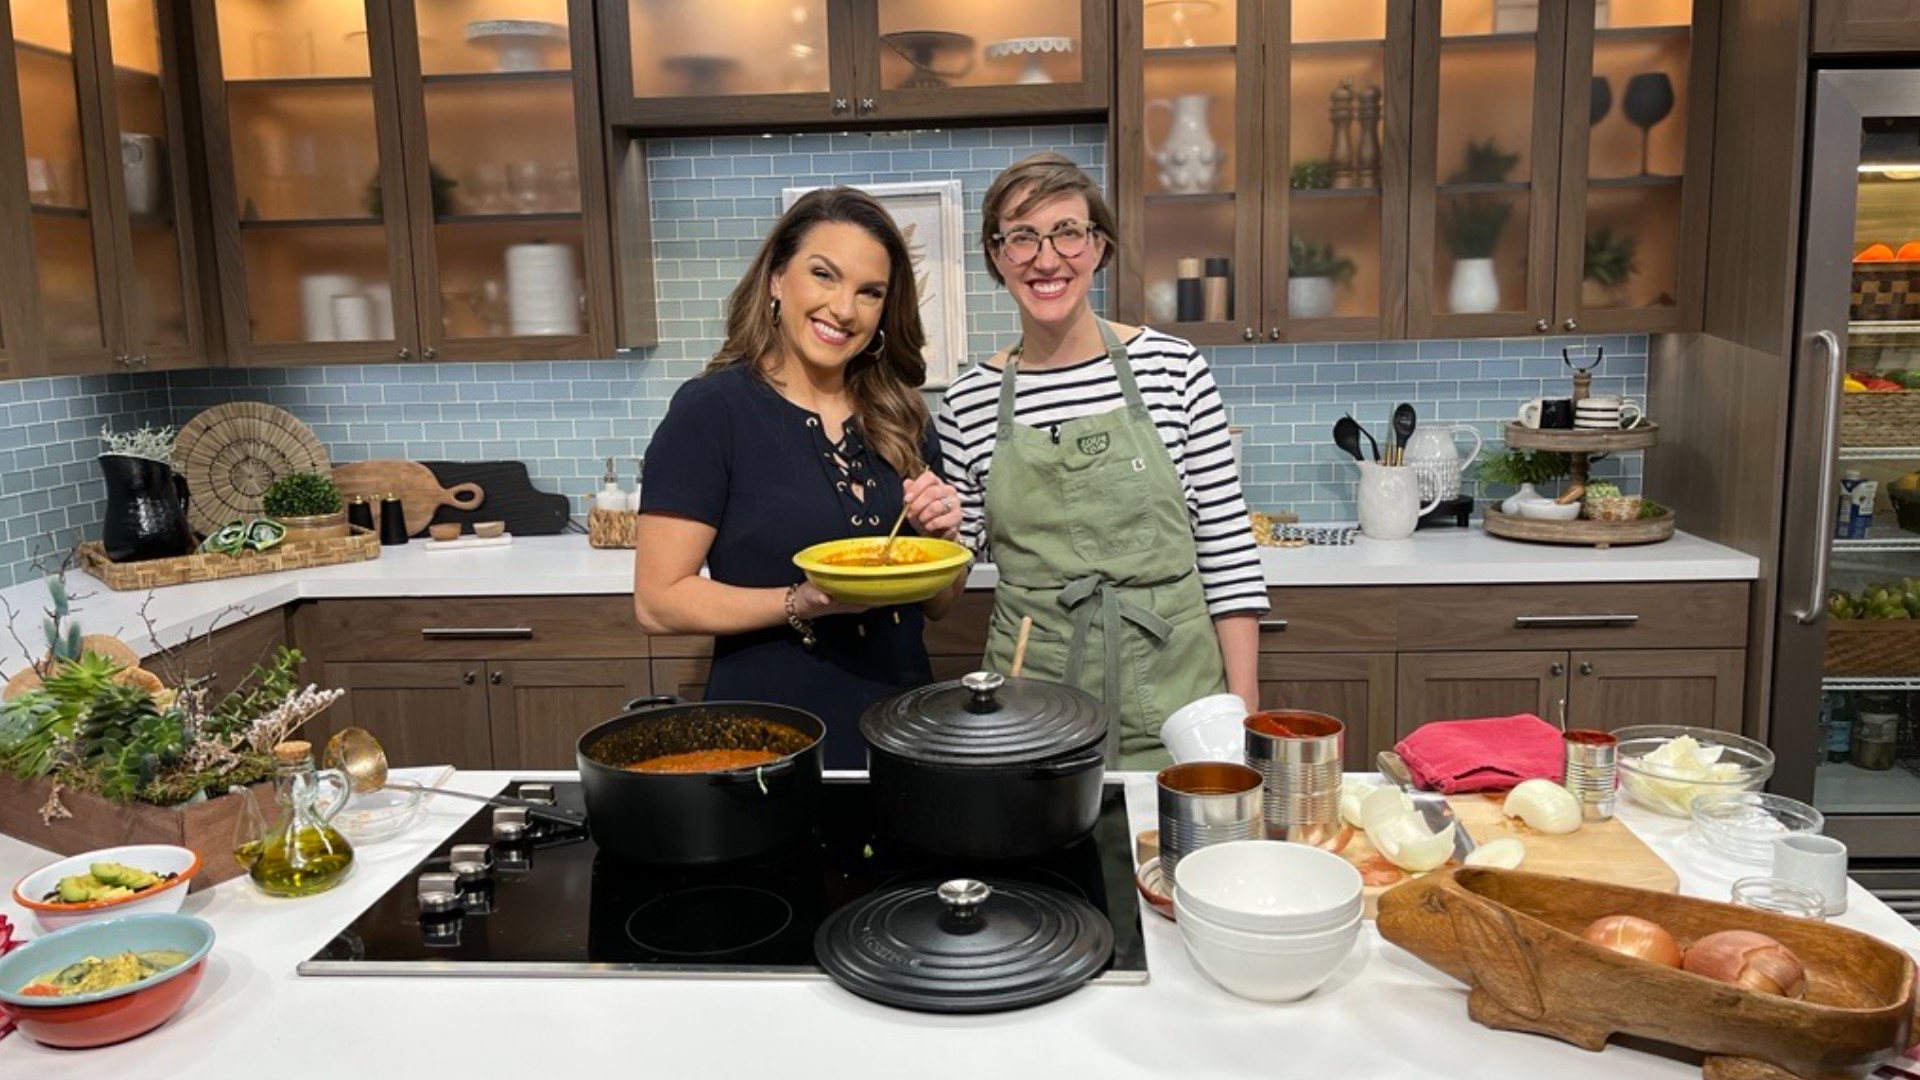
(610, 497)
(633, 497)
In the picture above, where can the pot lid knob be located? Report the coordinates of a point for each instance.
(963, 896)
(983, 685)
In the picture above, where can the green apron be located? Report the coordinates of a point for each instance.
(1089, 530)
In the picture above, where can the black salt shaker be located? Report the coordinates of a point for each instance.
(393, 521)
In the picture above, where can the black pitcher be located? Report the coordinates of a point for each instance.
(146, 510)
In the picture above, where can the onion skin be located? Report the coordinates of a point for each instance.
(1750, 960)
(1633, 936)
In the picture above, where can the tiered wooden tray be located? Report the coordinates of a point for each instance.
(1578, 444)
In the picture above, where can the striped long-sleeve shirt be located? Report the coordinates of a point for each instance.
(1179, 393)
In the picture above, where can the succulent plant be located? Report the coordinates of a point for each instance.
(1600, 489)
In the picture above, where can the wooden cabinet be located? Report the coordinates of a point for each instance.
(226, 657)
(709, 64)
(406, 181)
(1866, 26)
(101, 266)
(1590, 689)
(538, 709)
(1413, 168)
(1355, 687)
(423, 713)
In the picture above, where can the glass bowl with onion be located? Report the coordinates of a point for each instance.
(1742, 825)
(1664, 767)
(383, 813)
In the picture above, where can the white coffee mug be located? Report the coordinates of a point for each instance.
(1529, 415)
(1818, 862)
(1606, 411)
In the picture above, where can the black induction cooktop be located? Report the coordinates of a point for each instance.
(553, 905)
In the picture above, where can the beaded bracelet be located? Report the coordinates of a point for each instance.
(803, 627)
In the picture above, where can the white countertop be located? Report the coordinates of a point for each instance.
(566, 565)
(1385, 1014)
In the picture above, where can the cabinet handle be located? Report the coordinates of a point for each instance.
(1586, 668)
(1275, 625)
(405, 353)
(476, 633)
(1248, 334)
(1542, 326)
(126, 361)
(1571, 622)
(866, 104)
(1562, 708)
(494, 678)
(428, 353)
(1557, 668)
(467, 678)
(840, 104)
(1822, 519)
(1570, 325)
(1273, 333)
(139, 361)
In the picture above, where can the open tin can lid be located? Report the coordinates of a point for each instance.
(986, 719)
(964, 946)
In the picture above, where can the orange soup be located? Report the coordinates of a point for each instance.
(696, 761)
(903, 554)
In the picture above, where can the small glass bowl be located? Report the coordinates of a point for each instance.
(1742, 824)
(1781, 896)
(382, 815)
(1666, 791)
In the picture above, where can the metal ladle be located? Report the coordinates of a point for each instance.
(355, 752)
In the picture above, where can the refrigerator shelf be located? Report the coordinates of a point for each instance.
(1852, 682)
(1883, 327)
(1879, 453)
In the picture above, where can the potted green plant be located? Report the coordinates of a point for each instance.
(1523, 469)
(308, 504)
(1313, 174)
(1609, 262)
(1471, 223)
(1312, 272)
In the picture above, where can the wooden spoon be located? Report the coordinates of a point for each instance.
(1020, 646)
(886, 549)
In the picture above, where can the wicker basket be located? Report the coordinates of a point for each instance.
(611, 528)
(1880, 418)
(1873, 647)
(1611, 508)
(291, 555)
(1885, 291)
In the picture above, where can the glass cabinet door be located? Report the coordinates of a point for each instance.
(1486, 145)
(308, 189)
(1634, 203)
(159, 295)
(1342, 73)
(1190, 168)
(64, 164)
(936, 58)
(718, 61)
(501, 260)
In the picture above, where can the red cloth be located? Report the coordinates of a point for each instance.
(1480, 755)
(7, 944)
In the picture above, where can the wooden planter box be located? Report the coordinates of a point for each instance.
(205, 827)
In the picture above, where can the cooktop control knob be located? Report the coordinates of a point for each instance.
(537, 793)
(470, 863)
(509, 824)
(439, 895)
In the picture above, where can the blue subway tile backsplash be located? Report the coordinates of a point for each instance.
(713, 198)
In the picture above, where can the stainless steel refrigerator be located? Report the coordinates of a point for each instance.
(1845, 694)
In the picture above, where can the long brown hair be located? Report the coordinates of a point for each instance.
(884, 388)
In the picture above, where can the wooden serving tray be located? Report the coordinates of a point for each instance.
(1599, 534)
(358, 545)
(1514, 938)
(1582, 441)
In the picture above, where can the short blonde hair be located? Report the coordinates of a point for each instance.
(1042, 176)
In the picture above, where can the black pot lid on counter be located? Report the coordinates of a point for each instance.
(984, 719)
(964, 946)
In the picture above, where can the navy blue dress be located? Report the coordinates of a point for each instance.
(732, 453)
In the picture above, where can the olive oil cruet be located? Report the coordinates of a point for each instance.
(300, 853)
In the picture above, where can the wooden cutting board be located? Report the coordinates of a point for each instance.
(420, 493)
(1596, 851)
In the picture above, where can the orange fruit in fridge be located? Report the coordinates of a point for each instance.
(1875, 253)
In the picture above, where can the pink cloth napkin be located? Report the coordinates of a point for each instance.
(8, 943)
(1480, 755)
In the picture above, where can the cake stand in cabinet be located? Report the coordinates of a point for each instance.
(1577, 445)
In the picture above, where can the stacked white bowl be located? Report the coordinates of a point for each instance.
(1267, 920)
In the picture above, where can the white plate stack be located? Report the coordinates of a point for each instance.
(542, 295)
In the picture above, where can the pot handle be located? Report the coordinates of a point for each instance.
(759, 774)
(1064, 766)
(651, 700)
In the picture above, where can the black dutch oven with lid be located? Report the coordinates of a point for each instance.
(987, 767)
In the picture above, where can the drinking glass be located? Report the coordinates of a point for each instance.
(526, 186)
(1600, 100)
(1647, 101)
(489, 188)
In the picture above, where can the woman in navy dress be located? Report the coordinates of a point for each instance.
(807, 425)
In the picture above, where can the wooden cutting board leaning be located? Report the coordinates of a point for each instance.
(1597, 851)
(420, 493)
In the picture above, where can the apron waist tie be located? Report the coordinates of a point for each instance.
(1110, 603)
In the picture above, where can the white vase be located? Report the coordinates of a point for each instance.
(1188, 158)
(1511, 504)
(1474, 288)
(1162, 301)
(1309, 297)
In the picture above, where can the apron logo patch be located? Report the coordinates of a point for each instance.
(1094, 444)
(1139, 464)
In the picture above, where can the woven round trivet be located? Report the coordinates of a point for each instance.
(230, 454)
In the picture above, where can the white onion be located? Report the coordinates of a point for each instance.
(1545, 806)
(1351, 792)
(1505, 853)
(1407, 843)
(1382, 803)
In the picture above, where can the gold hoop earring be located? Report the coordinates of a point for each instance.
(879, 344)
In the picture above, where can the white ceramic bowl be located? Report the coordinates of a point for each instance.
(153, 858)
(1207, 730)
(1548, 510)
(1263, 941)
(1269, 887)
(1265, 969)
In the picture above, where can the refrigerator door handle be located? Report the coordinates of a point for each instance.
(1830, 452)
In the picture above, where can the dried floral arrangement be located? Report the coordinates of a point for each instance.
(88, 715)
(149, 442)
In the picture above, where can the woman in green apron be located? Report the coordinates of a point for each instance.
(1095, 470)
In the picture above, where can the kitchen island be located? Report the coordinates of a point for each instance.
(1385, 1014)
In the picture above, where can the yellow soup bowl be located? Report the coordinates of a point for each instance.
(919, 567)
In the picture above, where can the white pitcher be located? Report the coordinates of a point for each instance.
(1432, 454)
(1390, 501)
(1189, 159)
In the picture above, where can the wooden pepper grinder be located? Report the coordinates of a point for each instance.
(1341, 152)
(1367, 157)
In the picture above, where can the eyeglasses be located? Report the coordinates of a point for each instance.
(1022, 246)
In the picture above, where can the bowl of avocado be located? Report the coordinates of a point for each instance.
(111, 881)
